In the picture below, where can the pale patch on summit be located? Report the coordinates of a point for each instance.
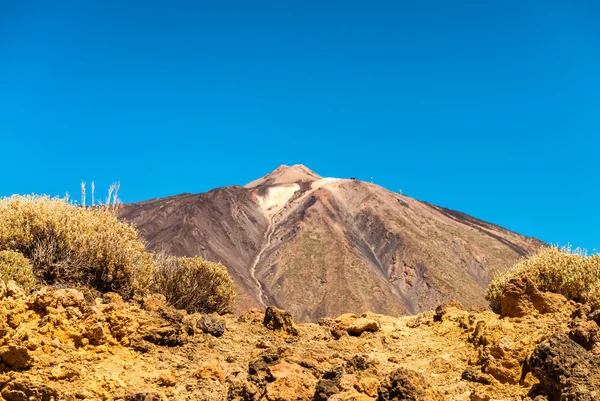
(276, 198)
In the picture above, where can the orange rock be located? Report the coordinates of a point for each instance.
(292, 382)
(167, 380)
(154, 302)
(211, 371)
(368, 385)
(521, 297)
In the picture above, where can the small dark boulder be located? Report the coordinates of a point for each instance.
(325, 389)
(360, 362)
(474, 375)
(335, 374)
(211, 325)
(258, 369)
(279, 320)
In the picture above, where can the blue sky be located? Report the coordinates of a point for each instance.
(488, 107)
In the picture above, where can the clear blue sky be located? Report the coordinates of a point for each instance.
(488, 107)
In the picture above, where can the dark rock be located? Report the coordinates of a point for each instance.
(566, 370)
(335, 374)
(584, 329)
(407, 385)
(279, 320)
(585, 333)
(476, 376)
(325, 389)
(211, 325)
(595, 316)
(359, 363)
(258, 369)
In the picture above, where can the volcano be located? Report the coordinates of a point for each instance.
(325, 246)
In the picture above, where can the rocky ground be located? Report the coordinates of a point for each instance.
(56, 345)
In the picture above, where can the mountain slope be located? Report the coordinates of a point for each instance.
(322, 246)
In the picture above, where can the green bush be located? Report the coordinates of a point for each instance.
(194, 284)
(572, 274)
(15, 266)
(72, 245)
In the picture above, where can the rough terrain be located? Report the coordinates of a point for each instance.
(56, 345)
(324, 246)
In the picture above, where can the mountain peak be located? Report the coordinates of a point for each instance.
(322, 247)
(286, 175)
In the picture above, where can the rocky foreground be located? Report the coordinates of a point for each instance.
(57, 346)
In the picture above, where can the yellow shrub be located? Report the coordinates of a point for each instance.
(574, 275)
(15, 266)
(75, 245)
(194, 284)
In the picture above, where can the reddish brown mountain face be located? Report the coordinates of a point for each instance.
(323, 246)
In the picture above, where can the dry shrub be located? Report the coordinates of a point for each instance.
(572, 274)
(194, 284)
(67, 244)
(15, 266)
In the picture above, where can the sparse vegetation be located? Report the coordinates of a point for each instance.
(571, 273)
(194, 284)
(15, 266)
(62, 244)
(66, 244)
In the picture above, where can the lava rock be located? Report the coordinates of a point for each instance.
(325, 389)
(279, 320)
(211, 325)
(566, 370)
(521, 297)
(584, 329)
(476, 376)
(258, 369)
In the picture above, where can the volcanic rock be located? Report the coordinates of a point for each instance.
(279, 320)
(521, 297)
(566, 370)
